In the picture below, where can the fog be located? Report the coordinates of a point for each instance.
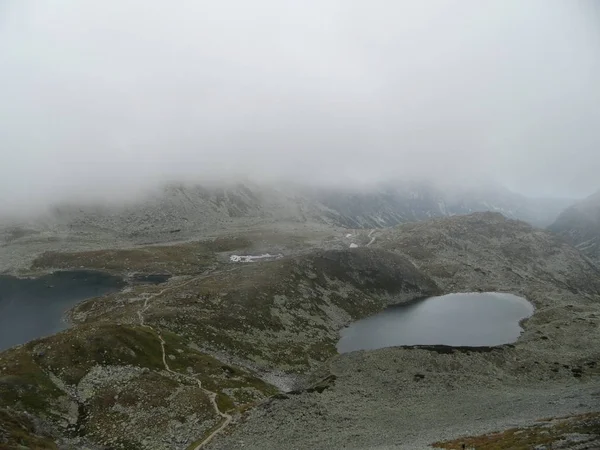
(110, 98)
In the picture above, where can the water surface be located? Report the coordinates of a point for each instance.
(470, 320)
(31, 308)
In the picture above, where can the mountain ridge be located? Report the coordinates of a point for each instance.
(179, 209)
(580, 225)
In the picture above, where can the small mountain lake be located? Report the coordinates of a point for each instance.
(31, 308)
(457, 320)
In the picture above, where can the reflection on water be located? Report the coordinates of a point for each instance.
(472, 319)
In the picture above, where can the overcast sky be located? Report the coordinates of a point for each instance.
(114, 95)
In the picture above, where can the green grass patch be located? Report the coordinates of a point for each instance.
(18, 432)
(224, 402)
(543, 434)
(178, 259)
(73, 352)
(214, 375)
(23, 383)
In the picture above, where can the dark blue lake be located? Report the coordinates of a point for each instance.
(31, 308)
(458, 320)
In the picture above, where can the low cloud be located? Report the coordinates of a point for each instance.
(106, 99)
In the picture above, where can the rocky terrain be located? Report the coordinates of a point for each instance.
(282, 314)
(109, 380)
(180, 213)
(242, 355)
(409, 398)
(107, 386)
(580, 225)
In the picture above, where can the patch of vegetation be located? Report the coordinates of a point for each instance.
(23, 383)
(71, 354)
(224, 402)
(212, 373)
(26, 385)
(17, 431)
(542, 434)
(156, 397)
(179, 259)
(152, 389)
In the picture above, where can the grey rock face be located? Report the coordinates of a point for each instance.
(486, 251)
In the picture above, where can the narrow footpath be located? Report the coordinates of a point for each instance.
(226, 418)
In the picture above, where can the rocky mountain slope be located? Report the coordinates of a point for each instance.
(104, 382)
(181, 210)
(107, 386)
(250, 347)
(409, 398)
(266, 314)
(580, 225)
(398, 203)
(490, 251)
(181, 213)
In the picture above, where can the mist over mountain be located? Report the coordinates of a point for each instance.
(392, 204)
(178, 210)
(101, 102)
(580, 225)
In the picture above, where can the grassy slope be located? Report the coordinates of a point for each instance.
(26, 385)
(283, 313)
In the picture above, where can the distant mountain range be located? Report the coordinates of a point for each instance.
(580, 225)
(392, 205)
(188, 209)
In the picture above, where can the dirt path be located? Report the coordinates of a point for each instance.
(372, 237)
(212, 395)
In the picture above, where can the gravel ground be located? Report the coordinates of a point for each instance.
(376, 404)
